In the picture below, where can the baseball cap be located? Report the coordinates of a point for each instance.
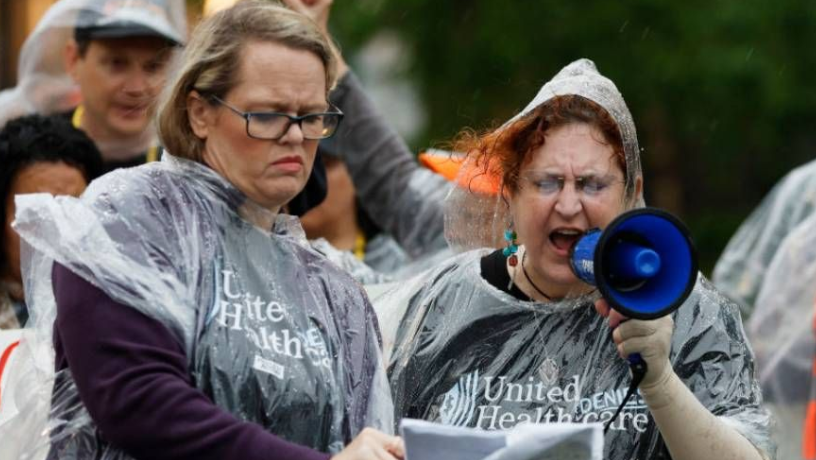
(127, 18)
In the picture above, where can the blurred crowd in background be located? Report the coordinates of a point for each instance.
(722, 94)
(723, 90)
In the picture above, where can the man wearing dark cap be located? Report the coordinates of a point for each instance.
(119, 57)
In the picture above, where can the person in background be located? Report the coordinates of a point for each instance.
(342, 222)
(494, 338)
(781, 330)
(740, 272)
(381, 205)
(39, 154)
(102, 64)
(119, 57)
(192, 319)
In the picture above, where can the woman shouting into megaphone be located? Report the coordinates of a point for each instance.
(493, 338)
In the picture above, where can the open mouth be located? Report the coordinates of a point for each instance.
(132, 110)
(563, 239)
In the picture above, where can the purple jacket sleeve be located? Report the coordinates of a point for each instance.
(132, 376)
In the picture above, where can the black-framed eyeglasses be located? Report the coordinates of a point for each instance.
(274, 125)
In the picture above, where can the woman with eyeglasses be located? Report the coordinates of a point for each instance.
(496, 338)
(192, 319)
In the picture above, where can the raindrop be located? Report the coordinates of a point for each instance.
(645, 33)
(623, 27)
(750, 53)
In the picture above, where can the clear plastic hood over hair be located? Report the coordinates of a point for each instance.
(43, 86)
(228, 279)
(476, 220)
(581, 78)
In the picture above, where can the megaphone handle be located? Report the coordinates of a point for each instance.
(638, 366)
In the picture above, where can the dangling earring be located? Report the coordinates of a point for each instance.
(510, 251)
(512, 246)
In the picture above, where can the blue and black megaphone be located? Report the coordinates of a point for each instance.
(643, 263)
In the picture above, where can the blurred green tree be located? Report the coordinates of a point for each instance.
(722, 91)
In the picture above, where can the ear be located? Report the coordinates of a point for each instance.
(200, 114)
(508, 197)
(71, 57)
(638, 186)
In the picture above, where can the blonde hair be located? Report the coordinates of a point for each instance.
(211, 60)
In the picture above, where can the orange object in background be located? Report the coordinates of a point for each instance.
(809, 435)
(455, 167)
(4, 358)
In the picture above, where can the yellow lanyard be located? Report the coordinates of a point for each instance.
(76, 120)
(360, 246)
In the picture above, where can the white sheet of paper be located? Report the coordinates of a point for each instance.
(434, 441)
(558, 441)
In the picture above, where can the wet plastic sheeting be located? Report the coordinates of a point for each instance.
(275, 334)
(462, 353)
(466, 354)
(742, 268)
(782, 332)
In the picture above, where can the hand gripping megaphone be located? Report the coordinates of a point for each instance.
(643, 263)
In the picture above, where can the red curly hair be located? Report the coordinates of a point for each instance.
(502, 152)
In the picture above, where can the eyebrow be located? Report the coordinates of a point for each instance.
(558, 174)
(277, 107)
(593, 176)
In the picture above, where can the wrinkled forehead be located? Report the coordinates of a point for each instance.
(287, 75)
(576, 147)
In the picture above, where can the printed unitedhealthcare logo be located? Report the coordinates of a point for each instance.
(494, 403)
(460, 401)
(266, 324)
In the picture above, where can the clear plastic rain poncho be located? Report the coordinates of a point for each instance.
(463, 353)
(269, 326)
(43, 85)
(742, 267)
(781, 330)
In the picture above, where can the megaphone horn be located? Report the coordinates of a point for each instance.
(643, 263)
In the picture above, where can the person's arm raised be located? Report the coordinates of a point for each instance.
(318, 11)
(401, 197)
